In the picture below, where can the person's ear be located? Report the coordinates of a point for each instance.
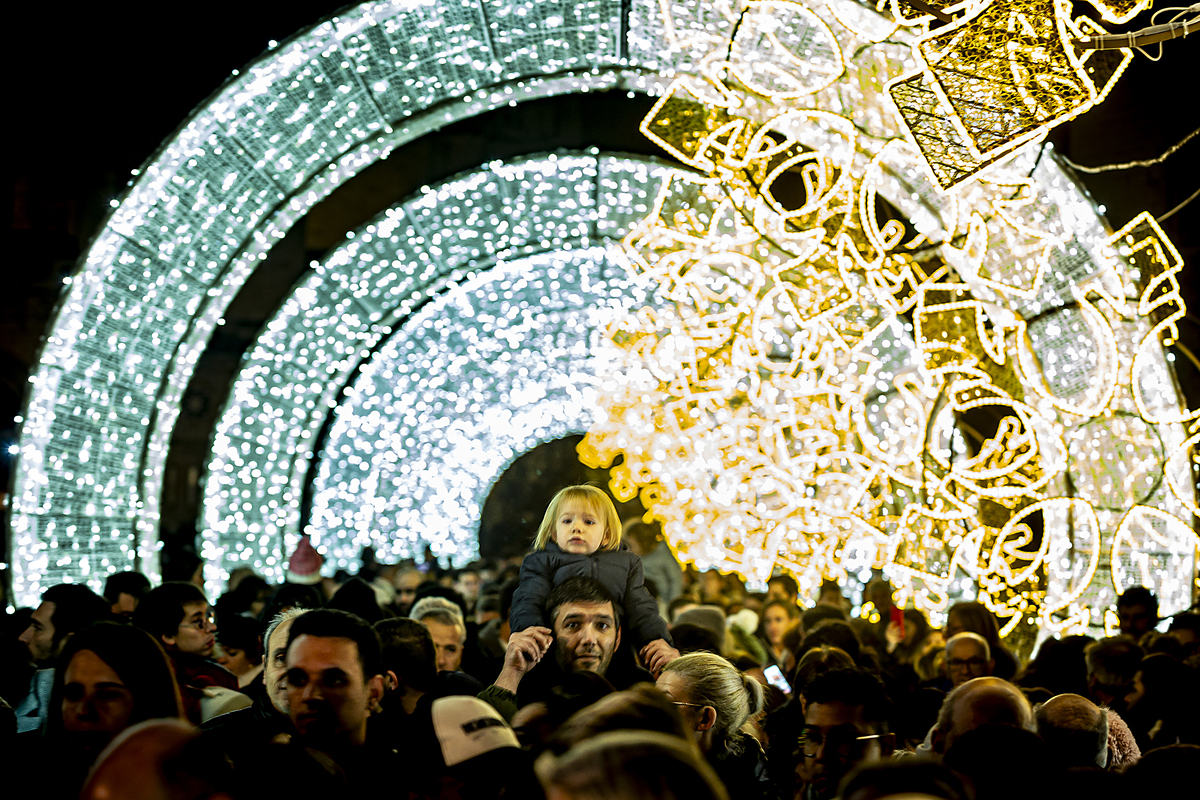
(390, 681)
(938, 743)
(617, 644)
(708, 718)
(374, 692)
(887, 745)
(169, 641)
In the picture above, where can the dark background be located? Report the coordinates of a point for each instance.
(94, 90)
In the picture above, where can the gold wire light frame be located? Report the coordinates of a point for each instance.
(758, 408)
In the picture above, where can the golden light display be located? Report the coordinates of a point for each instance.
(825, 386)
(998, 78)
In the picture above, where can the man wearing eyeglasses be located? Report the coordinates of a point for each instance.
(845, 726)
(178, 616)
(967, 657)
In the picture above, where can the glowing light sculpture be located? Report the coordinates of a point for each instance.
(1001, 76)
(747, 408)
(834, 354)
(454, 331)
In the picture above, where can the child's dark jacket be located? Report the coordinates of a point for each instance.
(619, 571)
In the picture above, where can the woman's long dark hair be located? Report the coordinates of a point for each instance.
(139, 662)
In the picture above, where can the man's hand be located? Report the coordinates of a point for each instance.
(657, 655)
(525, 649)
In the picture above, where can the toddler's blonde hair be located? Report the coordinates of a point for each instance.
(592, 498)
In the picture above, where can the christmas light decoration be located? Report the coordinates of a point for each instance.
(829, 323)
(804, 397)
(999, 77)
(459, 328)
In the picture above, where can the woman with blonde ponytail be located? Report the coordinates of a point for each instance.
(718, 703)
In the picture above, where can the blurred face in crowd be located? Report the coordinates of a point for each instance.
(881, 596)
(468, 585)
(831, 597)
(329, 699)
(711, 585)
(233, 659)
(775, 624)
(196, 633)
(965, 660)
(1135, 620)
(39, 636)
(448, 640)
(96, 704)
(406, 587)
(275, 665)
(776, 590)
(836, 739)
(1138, 692)
(585, 637)
(125, 606)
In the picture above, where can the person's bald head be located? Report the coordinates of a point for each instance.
(982, 701)
(1075, 730)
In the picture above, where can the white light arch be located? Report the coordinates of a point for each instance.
(538, 234)
(293, 126)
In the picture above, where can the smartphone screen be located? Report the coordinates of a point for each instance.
(774, 676)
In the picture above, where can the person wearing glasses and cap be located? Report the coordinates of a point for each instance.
(845, 726)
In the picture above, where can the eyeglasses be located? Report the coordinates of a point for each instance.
(811, 741)
(200, 624)
(689, 705)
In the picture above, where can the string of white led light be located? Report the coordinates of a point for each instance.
(398, 278)
(315, 111)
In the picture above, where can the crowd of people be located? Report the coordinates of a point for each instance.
(596, 667)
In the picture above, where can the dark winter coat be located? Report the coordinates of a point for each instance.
(619, 571)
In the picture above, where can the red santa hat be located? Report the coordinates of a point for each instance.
(305, 564)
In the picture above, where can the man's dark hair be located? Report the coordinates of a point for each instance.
(328, 623)
(788, 583)
(812, 616)
(160, 612)
(129, 582)
(408, 651)
(75, 607)
(835, 633)
(580, 589)
(1186, 621)
(358, 598)
(1113, 662)
(292, 595)
(906, 776)
(1139, 596)
(487, 603)
(691, 638)
(853, 687)
(243, 632)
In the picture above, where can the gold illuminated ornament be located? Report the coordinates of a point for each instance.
(822, 386)
(997, 79)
